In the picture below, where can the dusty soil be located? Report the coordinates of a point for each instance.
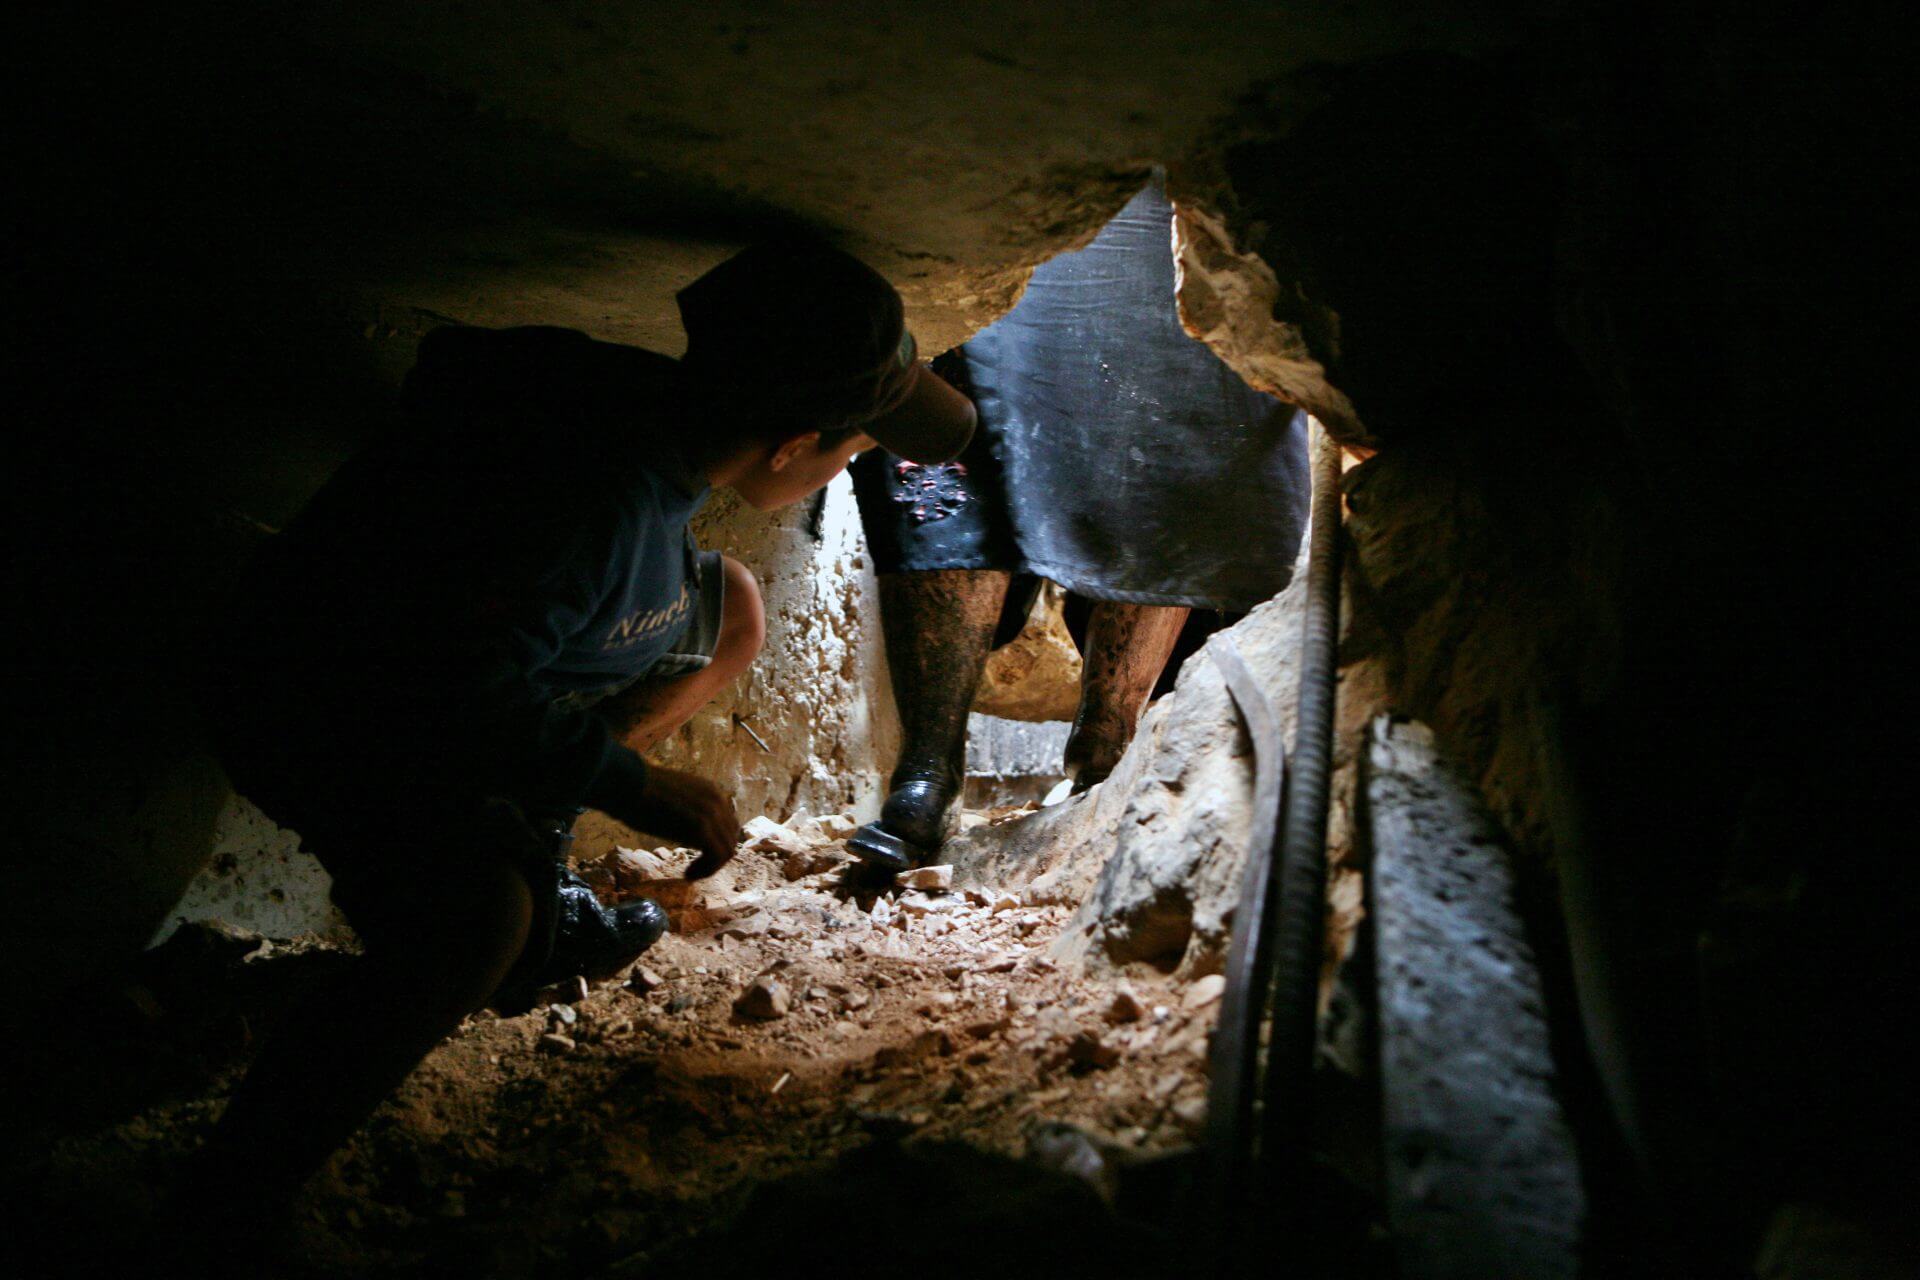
(616, 1120)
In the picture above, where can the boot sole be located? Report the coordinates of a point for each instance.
(880, 848)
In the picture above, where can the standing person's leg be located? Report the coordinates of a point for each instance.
(1126, 647)
(939, 626)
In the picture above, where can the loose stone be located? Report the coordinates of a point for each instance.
(765, 998)
(1203, 992)
(938, 877)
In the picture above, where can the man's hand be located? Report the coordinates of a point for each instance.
(690, 811)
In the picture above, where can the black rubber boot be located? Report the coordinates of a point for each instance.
(939, 625)
(916, 820)
(575, 935)
(589, 939)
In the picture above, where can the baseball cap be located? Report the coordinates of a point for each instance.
(835, 330)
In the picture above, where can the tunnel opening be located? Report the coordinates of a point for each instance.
(1002, 1015)
(1551, 284)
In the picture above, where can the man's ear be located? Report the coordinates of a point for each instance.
(806, 442)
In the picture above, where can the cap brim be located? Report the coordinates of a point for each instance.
(933, 424)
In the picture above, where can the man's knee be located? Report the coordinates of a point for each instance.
(743, 619)
(468, 932)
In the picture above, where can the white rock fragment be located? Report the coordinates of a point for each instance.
(634, 867)
(1203, 992)
(808, 828)
(768, 836)
(938, 877)
(839, 826)
(554, 1042)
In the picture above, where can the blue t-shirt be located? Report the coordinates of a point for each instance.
(625, 598)
(441, 610)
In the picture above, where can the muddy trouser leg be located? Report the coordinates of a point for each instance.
(486, 910)
(939, 625)
(1126, 646)
(438, 943)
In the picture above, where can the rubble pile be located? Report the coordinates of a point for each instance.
(800, 1010)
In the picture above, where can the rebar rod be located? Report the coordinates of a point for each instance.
(1299, 926)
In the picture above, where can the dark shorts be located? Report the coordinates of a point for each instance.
(921, 517)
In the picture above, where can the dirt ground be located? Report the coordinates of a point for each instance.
(797, 1017)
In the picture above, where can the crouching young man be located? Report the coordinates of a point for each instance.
(479, 623)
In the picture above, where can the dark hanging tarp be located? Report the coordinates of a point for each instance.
(1125, 460)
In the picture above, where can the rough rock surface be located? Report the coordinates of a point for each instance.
(1481, 1171)
(567, 157)
(1151, 856)
(1228, 299)
(615, 1119)
(258, 878)
(1037, 676)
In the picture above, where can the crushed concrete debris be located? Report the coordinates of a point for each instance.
(814, 862)
(1203, 992)
(937, 877)
(781, 1024)
(768, 836)
(1089, 1052)
(765, 997)
(838, 826)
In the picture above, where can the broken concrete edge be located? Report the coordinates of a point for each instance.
(1483, 1176)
